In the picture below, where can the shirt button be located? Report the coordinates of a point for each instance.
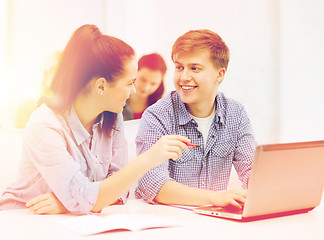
(213, 136)
(74, 192)
(199, 135)
(203, 183)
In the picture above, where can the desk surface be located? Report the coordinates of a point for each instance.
(21, 224)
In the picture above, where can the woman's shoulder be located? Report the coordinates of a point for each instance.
(45, 116)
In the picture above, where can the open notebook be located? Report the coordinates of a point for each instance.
(93, 224)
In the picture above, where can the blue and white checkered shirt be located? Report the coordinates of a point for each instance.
(230, 140)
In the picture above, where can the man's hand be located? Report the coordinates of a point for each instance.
(234, 197)
(46, 204)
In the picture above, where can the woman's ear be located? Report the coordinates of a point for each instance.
(100, 85)
(221, 75)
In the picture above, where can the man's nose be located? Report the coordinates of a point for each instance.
(185, 75)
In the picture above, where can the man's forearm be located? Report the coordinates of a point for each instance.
(176, 193)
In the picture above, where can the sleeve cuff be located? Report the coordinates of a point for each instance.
(85, 198)
(149, 189)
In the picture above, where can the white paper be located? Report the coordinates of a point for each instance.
(92, 224)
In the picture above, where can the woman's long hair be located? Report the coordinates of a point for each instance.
(88, 54)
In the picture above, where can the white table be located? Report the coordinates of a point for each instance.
(21, 224)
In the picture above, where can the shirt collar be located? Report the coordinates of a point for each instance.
(79, 132)
(185, 117)
(220, 109)
(100, 122)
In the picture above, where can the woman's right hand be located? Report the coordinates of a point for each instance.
(167, 147)
(46, 203)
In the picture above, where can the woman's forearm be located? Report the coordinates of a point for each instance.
(117, 184)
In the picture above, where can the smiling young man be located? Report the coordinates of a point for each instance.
(220, 126)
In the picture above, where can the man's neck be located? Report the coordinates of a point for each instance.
(201, 110)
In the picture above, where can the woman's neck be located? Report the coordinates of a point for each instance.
(86, 112)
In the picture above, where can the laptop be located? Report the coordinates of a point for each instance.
(286, 178)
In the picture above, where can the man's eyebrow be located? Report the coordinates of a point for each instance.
(200, 64)
(196, 64)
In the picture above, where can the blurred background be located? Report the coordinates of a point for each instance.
(276, 49)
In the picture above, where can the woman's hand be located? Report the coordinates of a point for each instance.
(46, 204)
(167, 147)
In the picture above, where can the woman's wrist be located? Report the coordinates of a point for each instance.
(143, 161)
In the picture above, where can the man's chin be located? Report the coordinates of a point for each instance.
(185, 97)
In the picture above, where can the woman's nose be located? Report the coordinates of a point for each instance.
(146, 87)
(133, 89)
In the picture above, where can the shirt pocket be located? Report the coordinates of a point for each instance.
(103, 163)
(224, 149)
(184, 168)
(185, 157)
(104, 159)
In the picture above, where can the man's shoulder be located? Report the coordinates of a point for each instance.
(227, 102)
(164, 105)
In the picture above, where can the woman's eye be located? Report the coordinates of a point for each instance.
(132, 82)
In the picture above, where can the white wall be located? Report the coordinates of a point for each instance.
(265, 71)
(246, 26)
(302, 76)
(276, 49)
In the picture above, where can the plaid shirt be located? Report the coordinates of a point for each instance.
(230, 140)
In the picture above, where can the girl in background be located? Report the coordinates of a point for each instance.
(149, 86)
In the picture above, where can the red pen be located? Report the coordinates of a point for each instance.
(189, 144)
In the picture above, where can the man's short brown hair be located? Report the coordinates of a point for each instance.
(203, 39)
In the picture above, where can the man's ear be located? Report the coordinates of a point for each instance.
(221, 75)
(100, 85)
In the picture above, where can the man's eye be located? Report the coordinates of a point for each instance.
(179, 67)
